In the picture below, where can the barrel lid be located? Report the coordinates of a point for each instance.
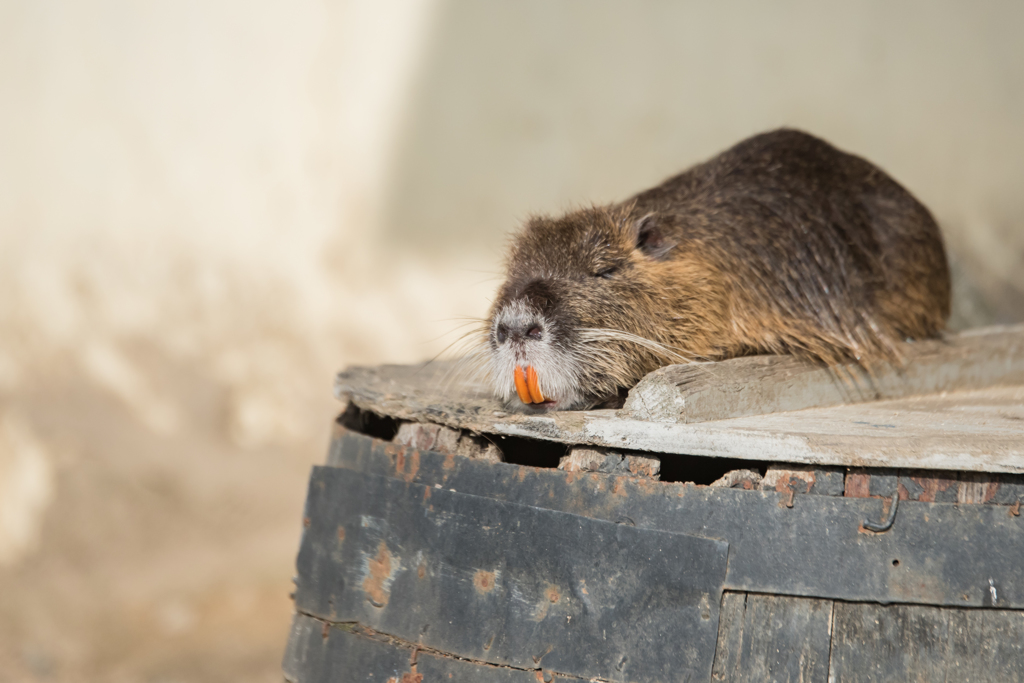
(950, 404)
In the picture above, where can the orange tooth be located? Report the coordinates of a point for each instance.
(521, 389)
(531, 384)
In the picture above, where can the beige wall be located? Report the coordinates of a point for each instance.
(187, 199)
(207, 207)
(535, 106)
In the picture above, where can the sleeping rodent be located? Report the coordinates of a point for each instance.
(781, 244)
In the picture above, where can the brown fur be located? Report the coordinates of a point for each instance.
(781, 244)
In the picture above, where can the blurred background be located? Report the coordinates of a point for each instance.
(207, 208)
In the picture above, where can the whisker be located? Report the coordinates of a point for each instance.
(469, 368)
(664, 350)
(461, 338)
(452, 331)
(605, 334)
(468, 318)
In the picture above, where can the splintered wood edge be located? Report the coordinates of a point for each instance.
(426, 393)
(760, 385)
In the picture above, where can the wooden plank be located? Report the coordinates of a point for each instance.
(964, 488)
(945, 553)
(772, 638)
(918, 643)
(986, 646)
(758, 385)
(434, 667)
(793, 479)
(321, 652)
(980, 430)
(730, 636)
(973, 430)
(509, 584)
(889, 643)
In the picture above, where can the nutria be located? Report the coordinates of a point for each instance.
(781, 244)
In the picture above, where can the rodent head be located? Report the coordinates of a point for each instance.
(579, 317)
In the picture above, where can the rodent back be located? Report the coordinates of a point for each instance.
(822, 252)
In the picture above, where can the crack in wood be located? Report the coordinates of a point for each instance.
(357, 629)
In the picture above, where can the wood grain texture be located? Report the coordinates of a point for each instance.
(772, 638)
(508, 584)
(979, 430)
(758, 385)
(947, 553)
(920, 643)
(985, 645)
(321, 652)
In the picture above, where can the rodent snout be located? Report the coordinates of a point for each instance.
(519, 331)
(525, 359)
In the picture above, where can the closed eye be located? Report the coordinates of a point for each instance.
(607, 273)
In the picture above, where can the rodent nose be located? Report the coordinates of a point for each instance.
(533, 330)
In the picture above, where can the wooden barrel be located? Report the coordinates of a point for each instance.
(447, 539)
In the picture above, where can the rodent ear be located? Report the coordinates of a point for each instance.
(650, 239)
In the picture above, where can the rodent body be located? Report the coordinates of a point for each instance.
(781, 244)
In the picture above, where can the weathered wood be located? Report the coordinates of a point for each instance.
(966, 488)
(434, 437)
(946, 552)
(319, 652)
(758, 385)
(772, 638)
(739, 479)
(610, 462)
(974, 431)
(730, 636)
(918, 643)
(978, 430)
(985, 646)
(889, 643)
(509, 584)
(789, 479)
(862, 483)
(423, 517)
